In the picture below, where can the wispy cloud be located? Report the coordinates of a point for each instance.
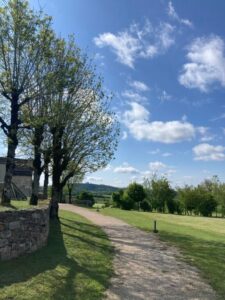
(174, 15)
(134, 96)
(139, 86)
(205, 135)
(156, 166)
(164, 96)
(166, 154)
(154, 152)
(206, 64)
(125, 168)
(138, 42)
(220, 117)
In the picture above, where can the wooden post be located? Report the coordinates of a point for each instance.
(155, 227)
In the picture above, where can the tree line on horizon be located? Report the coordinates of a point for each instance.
(52, 104)
(157, 194)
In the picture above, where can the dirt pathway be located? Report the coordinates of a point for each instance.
(145, 267)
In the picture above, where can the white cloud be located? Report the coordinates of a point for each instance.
(137, 113)
(133, 96)
(205, 134)
(160, 167)
(139, 86)
(156, 151)
(124, 45)
(94, 179)
(156, 166)
(137, 121)
(164, 96)
(125, 168)
(173, 14)
(209, 152)
(124, 135)
(136, 42)
(99, 59)
(165, 35)
(166, 154)
(206, 64)
(107, 168)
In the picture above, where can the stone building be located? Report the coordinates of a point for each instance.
(22, 177)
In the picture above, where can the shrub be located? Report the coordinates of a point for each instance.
(145, 205)
(116, 198)
(86, 197)
(207, 204)
(126, 202)
(98, 205)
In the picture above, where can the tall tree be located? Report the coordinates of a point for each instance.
(24, 38)
(84, 131)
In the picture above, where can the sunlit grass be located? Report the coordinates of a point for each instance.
(76, 264)
(22, 204)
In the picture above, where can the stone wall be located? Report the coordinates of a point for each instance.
(23, 231)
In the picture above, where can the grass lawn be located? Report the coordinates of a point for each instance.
(76, 264)
(201, 240)
(16, 204)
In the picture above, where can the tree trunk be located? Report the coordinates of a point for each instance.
(12, 145)
(57, 134)
(10, 166)
(54, 204)
(35, 188)
(38, 138)
(70, 194)
(46, 178)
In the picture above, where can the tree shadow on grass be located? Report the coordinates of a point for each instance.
(61, 283)
(87, 229)
(207, 255)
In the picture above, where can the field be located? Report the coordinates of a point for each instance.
(201, 240)
(76, 264)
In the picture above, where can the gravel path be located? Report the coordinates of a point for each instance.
(145, 267)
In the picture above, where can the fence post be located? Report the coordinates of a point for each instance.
(155, 227)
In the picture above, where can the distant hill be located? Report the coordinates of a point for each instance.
(94, 188)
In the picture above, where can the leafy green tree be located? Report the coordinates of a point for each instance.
(84, 130)
(116, 198)
(86, 196)
(160, 194)
(145, 205)
(135, 192)
(207, 204)
(188, 199)
(24, 40)
(127, 203)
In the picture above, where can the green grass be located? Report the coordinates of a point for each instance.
(16, 205)
(76, 264)
(201, 240)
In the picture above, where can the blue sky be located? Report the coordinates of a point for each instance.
(165, 63)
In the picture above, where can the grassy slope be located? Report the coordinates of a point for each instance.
(201, 240)
(76, 264)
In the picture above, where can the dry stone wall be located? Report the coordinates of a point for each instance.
(23, 231)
